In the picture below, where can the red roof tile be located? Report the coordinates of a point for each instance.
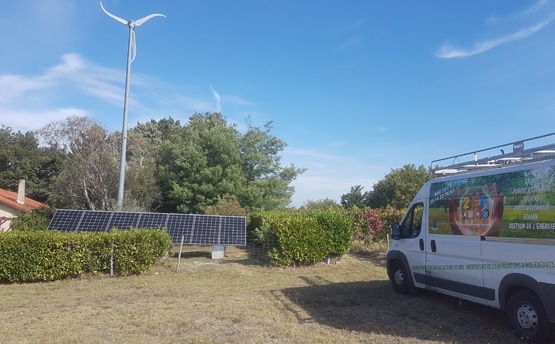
(9, 198)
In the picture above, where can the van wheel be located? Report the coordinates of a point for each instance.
(527, 317)
(399, 278)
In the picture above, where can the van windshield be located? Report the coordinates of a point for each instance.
(412, 224)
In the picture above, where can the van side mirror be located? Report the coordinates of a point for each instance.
(395, 231)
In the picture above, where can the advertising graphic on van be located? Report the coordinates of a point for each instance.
(514, 204)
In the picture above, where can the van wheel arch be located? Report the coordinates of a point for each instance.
(511, 284)
(400, 274)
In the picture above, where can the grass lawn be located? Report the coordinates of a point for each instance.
(238, 300)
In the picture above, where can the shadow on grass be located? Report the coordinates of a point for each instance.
(256, 254)
(193, 254)
(245, 255)
(373, 307)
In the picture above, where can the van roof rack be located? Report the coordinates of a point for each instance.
(471, 162)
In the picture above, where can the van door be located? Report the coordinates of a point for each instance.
(454, 266)
(412, 244)
(454, 257)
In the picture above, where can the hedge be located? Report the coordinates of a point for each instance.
(303, 236)
(50, 255)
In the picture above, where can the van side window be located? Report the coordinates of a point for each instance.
(412, 225)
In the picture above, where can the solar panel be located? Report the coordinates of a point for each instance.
(124, 220)
(206, 231)
(153, 220)
(180, 225)
(194, 229)
(235, 233)
(95, 221)
(66, 220)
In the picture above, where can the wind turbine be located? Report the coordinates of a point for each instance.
(131, 54)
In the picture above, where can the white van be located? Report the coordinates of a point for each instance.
(485, 236)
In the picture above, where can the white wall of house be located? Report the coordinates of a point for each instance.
(6, 212)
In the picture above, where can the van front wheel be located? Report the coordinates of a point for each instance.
(399, 278)
(527, 317)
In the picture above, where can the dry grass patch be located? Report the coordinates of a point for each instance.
(234, 300)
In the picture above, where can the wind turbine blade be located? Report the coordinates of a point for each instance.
(123, 21)
(133, 46)
(143, 20)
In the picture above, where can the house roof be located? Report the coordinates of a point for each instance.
(9, 198)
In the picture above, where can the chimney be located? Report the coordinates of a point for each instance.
(21, 192)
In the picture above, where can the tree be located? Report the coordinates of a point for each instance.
(266, 181)
(84, 165)
(22, 158)
(398, 188)
(52, 163)
(355, 197)
(206, 159)
(141, 185)
(325, 203)
(169, 167)
(158, 131)
(200, 164)
(89, 179)
(17, 157)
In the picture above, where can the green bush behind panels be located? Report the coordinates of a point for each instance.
(32, 220)
(303, 236)
(32, 256)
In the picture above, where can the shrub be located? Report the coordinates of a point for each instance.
(373, 225)
(390, 215)
(32, 220)
(30, 256)
(227, 205)
(303, 236)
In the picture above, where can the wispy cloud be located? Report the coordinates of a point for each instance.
(75, 85)
(217, 98)
(539, 9)
(32, 120)
(448, 51)
(351, 34)
(350, 42)
(535, 7)
(91, 79)
(538, 6)
(15, 87)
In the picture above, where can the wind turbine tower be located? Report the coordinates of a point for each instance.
(131, 53)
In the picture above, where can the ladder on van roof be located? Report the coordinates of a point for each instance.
(511, 153)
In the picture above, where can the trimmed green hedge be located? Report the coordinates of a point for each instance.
(303, 236)
(50, 255)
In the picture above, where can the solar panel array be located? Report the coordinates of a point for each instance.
(191, 228)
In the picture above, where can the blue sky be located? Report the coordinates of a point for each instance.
(355, 88)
